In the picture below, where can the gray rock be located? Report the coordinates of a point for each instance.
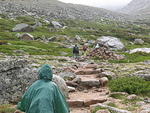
(16, 75)
(71, 89)
(132, 97)
(143, 50)
(145, 109)
(56, 24)
(108, 74)
(67, 75)
(112, 42)
(61, 84)
(26, 36)
(18, 35)
(51, 39)
(91, 42)
(143, 73)
(22, 28)
(138, 41)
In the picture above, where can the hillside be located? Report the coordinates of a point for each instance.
(140, 8)
(54, 9)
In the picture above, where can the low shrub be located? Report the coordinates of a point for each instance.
(131, 85)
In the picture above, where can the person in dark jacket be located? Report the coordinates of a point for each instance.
(76, 52)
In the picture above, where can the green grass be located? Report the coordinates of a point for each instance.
(89, 30)
(6, 109)
(34, 48)
(131, 85)
(98, 108)
(118, 96)
(132, 58)
(112, 104)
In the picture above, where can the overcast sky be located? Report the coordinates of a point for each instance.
(108, 4)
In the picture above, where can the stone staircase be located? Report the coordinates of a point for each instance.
(91, 93)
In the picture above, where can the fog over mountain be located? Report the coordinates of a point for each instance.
(107, 4)
(138, 8)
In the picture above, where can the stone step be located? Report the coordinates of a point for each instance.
(89, 81)
(91, 66)
(87, 97)
(86, 102)
(83, 71)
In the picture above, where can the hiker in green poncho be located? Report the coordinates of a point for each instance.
(44, 96)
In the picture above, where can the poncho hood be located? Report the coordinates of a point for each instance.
(45, 72)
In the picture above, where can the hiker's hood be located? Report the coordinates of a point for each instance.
(45, 72)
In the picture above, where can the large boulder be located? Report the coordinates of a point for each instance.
(61, 84)
(112, 42)
(22, 28)
(143, 50)
(16, 75)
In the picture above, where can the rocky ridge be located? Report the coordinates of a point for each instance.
(53, 9)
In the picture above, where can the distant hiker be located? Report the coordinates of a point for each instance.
(84, 48)
(76, 51)
(43, 96)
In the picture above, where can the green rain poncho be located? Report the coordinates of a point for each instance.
(44, 96)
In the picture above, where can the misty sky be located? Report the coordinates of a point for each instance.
(108, 4)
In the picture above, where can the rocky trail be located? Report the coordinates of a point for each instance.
(86, 89)
(91, 92)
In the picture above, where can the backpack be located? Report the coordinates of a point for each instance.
(75, 49)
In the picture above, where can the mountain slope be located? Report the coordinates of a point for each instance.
(54, 9)
(138, 7)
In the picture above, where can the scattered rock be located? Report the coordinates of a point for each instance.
(71, 89)
(103, 81)
(143, 74)
(108, 74)
(67, 75)
(56, 24)
(145, 108)
(18, 35)
(27, 36)
(143, 50)
(138, 41)
(22, 28)
(132, 97)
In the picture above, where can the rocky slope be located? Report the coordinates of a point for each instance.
(138, 7)
(54, 9)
